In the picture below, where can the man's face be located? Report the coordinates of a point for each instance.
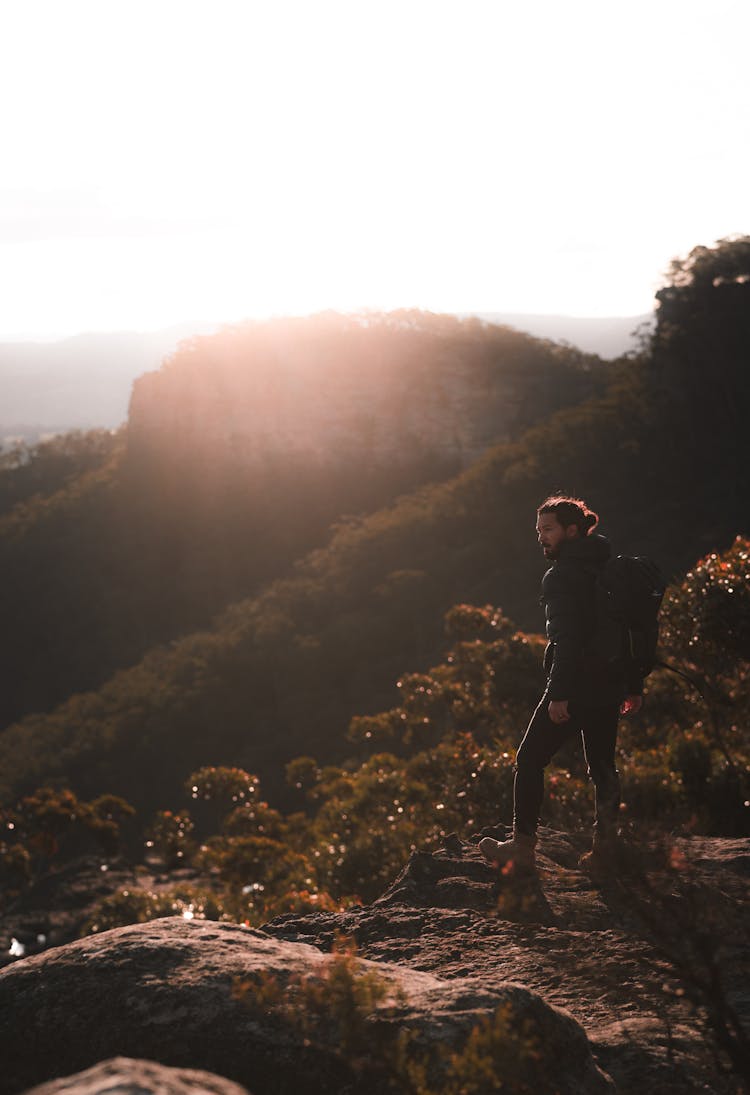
(551, 534)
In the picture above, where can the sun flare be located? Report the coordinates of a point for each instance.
(288, 158)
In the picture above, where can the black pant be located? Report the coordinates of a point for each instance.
(543, 738)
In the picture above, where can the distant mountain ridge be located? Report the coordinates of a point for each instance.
(84, 382)
(608, 337)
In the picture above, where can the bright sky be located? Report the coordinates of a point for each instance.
(170, 160)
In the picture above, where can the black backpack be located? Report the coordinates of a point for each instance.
(629, 592)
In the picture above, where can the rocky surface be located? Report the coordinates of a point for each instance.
(168, 990)
(619, 958)
(128, 1076)
(637, 961)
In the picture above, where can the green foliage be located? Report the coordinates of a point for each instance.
(485, 683)
(702, 318)
(137, 906)
(707, 617)
(50, 826)
(38, 471)
(253, 858)
(370, 818)
(353, 1016)
(16, 867)
(46, 817)
(691, 761)
(333, 1011)
(452, 739)
(707, 636)
(260, 877)
(222, 783)
(699, 360)
(104, 817)
(501, 1054)
(169, 836)
(683, 762)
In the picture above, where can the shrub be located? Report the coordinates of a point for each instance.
(136, 906)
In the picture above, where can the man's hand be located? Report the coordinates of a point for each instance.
(632, 705)
(558, 711)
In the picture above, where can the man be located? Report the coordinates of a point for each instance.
(583, 693)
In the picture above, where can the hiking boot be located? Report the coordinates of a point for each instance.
(518, 852)
(605, 854)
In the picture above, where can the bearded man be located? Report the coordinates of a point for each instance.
(584, 694)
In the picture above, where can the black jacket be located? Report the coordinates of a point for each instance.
(569, 600)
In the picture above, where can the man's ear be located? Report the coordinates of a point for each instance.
(571, 531)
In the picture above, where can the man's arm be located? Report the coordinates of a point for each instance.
(563, 599)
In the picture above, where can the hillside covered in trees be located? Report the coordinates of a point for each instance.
(341, 732)
(238, 456)
(143, 545)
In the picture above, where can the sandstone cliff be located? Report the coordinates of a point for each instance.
(384, 386)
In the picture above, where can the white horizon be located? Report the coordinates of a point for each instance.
(217, 324)
(241, 159)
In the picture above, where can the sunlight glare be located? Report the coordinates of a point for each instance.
(301, 157)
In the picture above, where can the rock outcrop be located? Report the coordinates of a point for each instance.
(167, 990)
(607, 986)
(128, 1076)
(627, 964)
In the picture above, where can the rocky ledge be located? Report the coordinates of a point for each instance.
(652, 960)
(620, 984)
(128, 1076)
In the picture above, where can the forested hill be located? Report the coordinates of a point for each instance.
(239, 454)
(84, 381)
(381, 389)
(659, 454)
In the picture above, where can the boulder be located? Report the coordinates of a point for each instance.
(168, 990)
(129, 1076)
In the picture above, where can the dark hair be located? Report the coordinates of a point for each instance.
(570, 511)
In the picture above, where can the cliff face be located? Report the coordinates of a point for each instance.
(326, 387)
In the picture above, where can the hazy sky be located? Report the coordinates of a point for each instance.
(167, 160)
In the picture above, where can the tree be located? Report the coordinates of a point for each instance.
(700, 352)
